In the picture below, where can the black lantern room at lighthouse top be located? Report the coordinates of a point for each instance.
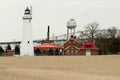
(27, 11)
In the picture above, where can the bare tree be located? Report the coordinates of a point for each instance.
(91, 30)
(112, 32)
(82, 36)
(118, 34)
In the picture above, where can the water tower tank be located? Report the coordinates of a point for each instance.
(71, 24)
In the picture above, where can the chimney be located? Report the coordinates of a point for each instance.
(74, 37)
(48, 33)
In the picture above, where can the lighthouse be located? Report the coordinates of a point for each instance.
(27, 41)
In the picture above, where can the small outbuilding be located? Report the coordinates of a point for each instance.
(10, 53)
(88, 48)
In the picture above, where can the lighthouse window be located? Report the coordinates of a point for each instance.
(28, 42)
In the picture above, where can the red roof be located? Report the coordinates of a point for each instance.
(46, 46)
(88, 45)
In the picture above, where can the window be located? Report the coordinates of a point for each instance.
(67, 52)
(72, 52)
(76, 51)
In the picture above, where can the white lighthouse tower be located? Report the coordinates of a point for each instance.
(27, 41)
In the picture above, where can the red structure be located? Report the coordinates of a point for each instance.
(46, 47)
(72, 46)
(10, 53)
(88, 49)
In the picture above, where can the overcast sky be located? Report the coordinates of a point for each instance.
(55, 13)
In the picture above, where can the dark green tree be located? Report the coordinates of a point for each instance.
(1, 51)
(103, 45)
(37, 52)
(113, 40)
(8, 47)
(114, 47)
(17, 50)
(56, 52)
(50, 52)
(108, 42)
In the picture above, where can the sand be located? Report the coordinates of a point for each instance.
(60, 68)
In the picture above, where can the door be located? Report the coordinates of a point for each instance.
(88, 52)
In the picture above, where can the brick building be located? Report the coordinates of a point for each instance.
(72, 46)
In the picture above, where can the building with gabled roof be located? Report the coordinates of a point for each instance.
(88, 48)
(72, 46)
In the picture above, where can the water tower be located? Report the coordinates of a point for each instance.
(71, 25)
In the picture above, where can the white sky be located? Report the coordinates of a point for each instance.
(56, 13)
